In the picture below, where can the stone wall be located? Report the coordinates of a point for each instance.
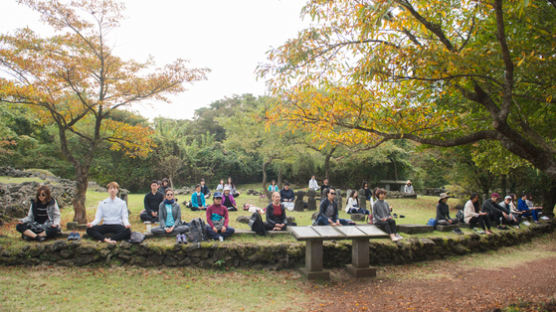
(249, 255)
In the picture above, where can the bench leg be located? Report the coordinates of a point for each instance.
(359, 266)
(313, 261)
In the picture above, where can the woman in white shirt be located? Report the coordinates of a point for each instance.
(352, 205)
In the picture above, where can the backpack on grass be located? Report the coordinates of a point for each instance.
(197, 231)
(257, 224)
(136, 238)
(460, 216)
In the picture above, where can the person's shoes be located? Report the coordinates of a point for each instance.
(27, 238)
(458, 231)
(395, 215)
(220, 238)
(399, 237)
(516, 226)
(502, 227)
(178, 239)
(184, 239)
(402, 216)
(526, 223)
(545, 218)
(40, 239)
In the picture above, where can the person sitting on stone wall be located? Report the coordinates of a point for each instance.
(382, 217)
(217, 219)
(113, 213)
(352, 204)
(408, 187)
(328, 214)
(473, 216)
(443, 211)
(169, 216)
(151, 202)
(513, 216)
(276, 219)
(228, 200)
(198, 199)
(526, 210)
(43, 219)
(273, 187)
(313, 184)
(496, 213)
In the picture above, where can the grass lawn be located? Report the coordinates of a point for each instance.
(44, 288)
(416, 211)
(6, 180)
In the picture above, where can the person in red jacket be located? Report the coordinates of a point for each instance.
(217, 219)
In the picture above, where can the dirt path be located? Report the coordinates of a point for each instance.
(443, 288)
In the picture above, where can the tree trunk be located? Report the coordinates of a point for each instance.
(279, 182)
(549, 198)
(82, 179)
(395, 168)
(265, 164)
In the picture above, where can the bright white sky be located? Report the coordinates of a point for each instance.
(229, 37)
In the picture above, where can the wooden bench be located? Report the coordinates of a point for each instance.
(315, 235)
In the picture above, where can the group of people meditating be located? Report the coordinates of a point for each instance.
(510, 211)
(162, 208)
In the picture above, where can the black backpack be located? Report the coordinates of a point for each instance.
(460, 216)
(197, 231)
(257, 224)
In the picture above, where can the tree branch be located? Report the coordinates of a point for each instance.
(509, 72)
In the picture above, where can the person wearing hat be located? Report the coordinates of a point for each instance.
(496, 213)
(228, 199)
(217, 219)
(507, 205)
(287, 194)
(408, 187)
(443, 211)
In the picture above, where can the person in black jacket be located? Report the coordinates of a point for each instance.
(443, 211)
(496, 213)
(328, 214)
(204, 189)
(152, 202)
(286, 194)
(276, 219)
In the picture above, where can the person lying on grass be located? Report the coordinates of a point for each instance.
(113, 213)
(43, 218)
(382, 217)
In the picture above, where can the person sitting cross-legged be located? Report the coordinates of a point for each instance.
(382, 217)
(204, 189)
(473, 216)
(497, 214)
(328, 213)
(443, 211)
(217, 219)
(151, 203)
(287, 194)
(198, 199)
(113, 213)
(169, 216)
(228, 199)
(352, 204)
(43, 219)
(272, 187)
(276, 219)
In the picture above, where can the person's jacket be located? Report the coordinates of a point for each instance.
(442, 211)
(274, 219)
(176, 214)
(195, 203)
(287, 194)
(491, 207)
(52, 210)
(324, 206)
(230, 197)
(152, 202)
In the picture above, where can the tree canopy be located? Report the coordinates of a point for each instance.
(74, 80)
(444, 73)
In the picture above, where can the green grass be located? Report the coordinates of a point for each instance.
(146, 289)
(5, 180)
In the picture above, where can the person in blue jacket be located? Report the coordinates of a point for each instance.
(198, 199)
